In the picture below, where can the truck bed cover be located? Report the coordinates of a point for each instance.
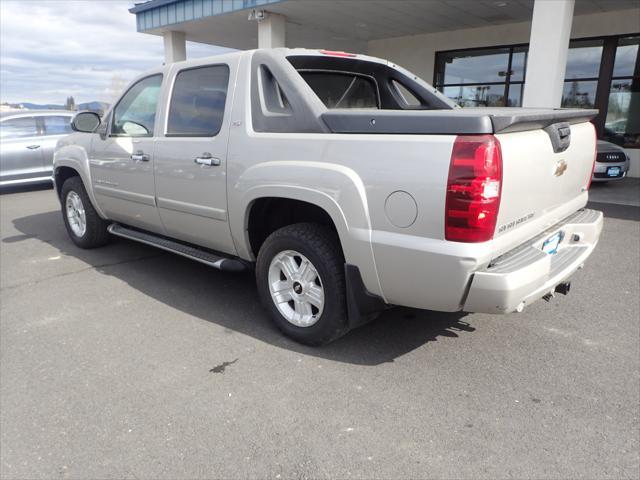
(466, 121)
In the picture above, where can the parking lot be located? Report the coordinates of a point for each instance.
(128, 362)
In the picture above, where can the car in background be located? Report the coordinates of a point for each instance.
(27, 141)
(612, 163)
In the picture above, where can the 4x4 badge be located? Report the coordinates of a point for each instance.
(561, 166)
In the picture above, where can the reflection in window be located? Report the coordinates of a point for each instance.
(579, 94)
(626, 55)
(135, 113)
(622, 123)
(518, 64)
(476, 95)
(477, 66)
(515, 95)
(583, 59)
(20, 127)
(198, 101)
(57, 125)
(482, 78)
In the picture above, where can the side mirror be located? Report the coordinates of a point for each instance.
(86, 122)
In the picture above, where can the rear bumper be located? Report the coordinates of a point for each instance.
(526, 274)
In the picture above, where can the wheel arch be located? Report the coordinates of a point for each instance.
(267, 214)
(72, 160)
(353, 233)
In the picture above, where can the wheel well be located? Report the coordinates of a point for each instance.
(270, 214)
(61, 176)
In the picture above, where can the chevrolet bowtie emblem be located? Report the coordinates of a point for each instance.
(561, 167)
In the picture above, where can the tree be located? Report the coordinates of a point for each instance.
(70, 104)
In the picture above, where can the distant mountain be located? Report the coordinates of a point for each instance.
(36, 106)
(94, 106)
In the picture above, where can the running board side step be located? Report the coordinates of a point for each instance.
(189, 251)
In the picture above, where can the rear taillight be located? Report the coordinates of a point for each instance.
(473, 189)
(595, 156)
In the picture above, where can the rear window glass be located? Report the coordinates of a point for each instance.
(198, 100)
(408, 97)
(57, 125)
(342, 89)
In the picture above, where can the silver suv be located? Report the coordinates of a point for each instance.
(27, 142)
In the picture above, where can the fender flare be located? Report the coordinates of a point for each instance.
(75, 156)
(337, 189)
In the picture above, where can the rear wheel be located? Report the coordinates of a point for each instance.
(84, 226)
(300, 276)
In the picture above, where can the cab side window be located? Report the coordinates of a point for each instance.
(198, 102)
(20, 127)
(57, 125)
(135, 114)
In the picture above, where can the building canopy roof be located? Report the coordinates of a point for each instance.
(339, 24)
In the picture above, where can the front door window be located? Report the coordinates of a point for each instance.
(135, 114)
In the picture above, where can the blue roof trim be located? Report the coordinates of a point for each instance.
(160, 13)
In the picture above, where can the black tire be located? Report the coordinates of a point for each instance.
(96, 234)
(321, 246)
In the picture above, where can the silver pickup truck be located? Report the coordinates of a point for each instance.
(347, 182)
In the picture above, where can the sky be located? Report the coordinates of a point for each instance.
(88, 49)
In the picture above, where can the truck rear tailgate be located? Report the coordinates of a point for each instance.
(540, 187)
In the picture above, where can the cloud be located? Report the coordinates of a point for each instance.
(52, 49)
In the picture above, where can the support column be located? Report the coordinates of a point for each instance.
(548, 49)
(175, 47)
(272, 31)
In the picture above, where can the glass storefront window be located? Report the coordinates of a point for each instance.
(515, 95)
(622, 123)
(476, 95)
(518, 64)
(496, 76)
(578, 94)
(583, 59)
(478, 66)
(626, 55)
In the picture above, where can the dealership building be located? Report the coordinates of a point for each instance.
(530, 53)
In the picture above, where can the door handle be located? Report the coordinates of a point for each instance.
(33, 147)
(140, 157)
(207, 160)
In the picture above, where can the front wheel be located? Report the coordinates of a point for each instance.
(300, 277)
(84, 226)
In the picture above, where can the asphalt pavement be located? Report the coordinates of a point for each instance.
(128, 362)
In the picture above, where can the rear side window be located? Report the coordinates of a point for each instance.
(18, 128)
(57, 125)
(198, 101)
(135, 114)
(343, 89)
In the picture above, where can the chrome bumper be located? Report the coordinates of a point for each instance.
(526, 274)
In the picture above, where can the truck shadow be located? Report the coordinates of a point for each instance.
(231, 300)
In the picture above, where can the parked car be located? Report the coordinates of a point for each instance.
(612, 163)
(346, 196)
(27, 141)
